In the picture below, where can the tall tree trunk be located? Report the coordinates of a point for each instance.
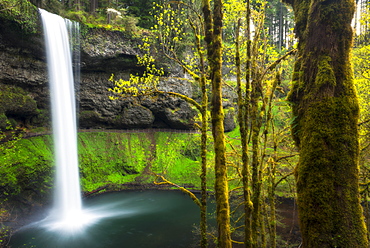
(243, 117)
(213, 27)
(77, 5)
(325, 114)
(243, 120)
(203, 208)
(204, 129)
(256, 124)
(281, 21)
(93, 5)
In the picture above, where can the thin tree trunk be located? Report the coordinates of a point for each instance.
(256, 163)
(243, 117)
(93, 5)
(213, 26)
(204, 128)
(281, 20)
(271, 162)
(203, 209)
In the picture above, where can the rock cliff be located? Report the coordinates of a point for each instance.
(23, 76)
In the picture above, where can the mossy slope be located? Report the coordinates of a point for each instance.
(105, 158)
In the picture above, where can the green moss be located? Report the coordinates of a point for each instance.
(325, 114)
(109, 158)
(26, 165)
(175, 158)
(325, 75)
(14, 99)
(105, 158)
(327, 173)
(22, 13)
(16, 103)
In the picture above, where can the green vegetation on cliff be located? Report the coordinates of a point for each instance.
(106, 158)
(27, 165)
(22, 13)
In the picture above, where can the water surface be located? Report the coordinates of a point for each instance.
(129, 219)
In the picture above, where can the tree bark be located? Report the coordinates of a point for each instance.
(243, 118)
(324, 127)
(213, 37)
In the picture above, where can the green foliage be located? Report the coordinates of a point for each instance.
(178, 158)
(137, 84)
(78, 16)
(171, 27)
(5, 231)
(23, 13)
(361, 61)
(26, 164)
(120, 21)
(279, 24)
(179, 31)
(142, 10)
(362, 83)
(126, 24)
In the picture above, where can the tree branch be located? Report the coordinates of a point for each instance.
(189, 193)
(283, 178)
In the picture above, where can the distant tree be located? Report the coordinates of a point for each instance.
(37, 3)
(141, 9)
(279, 22)
(324, 127)
(94, 5)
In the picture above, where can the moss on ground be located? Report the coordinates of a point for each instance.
(105, 158)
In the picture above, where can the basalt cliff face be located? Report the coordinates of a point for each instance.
(24, 97)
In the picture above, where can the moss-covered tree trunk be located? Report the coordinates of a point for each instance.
(213, 37)
(325, 113)
(204, 129)
(243, 118)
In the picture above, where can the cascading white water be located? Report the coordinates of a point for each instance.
(67, 213)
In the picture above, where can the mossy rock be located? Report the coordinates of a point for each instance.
(3, 121)
(17, 104)
(41, 119)
(89, 119)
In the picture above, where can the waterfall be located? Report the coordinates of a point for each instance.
(67, 212)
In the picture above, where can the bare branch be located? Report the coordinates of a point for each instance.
(186, 191)
(283, 178)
